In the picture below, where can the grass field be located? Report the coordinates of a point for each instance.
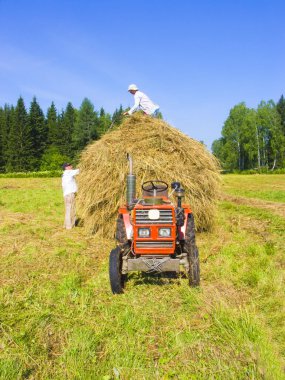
(59, 320)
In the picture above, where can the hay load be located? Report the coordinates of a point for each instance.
(159, 151)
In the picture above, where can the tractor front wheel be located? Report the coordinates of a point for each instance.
(121, 235)
(117, 279)
(192, 253)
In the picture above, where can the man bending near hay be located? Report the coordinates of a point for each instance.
(69, 187)
(142, 102)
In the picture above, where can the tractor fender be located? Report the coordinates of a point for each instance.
(128, 226)
(182, 229)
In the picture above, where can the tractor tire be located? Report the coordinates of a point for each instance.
(121, 235)
(117, 279)
(193, 253)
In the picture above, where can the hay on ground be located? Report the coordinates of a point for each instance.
(159, 151)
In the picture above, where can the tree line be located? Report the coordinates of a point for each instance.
(253, 138)
(32, 141)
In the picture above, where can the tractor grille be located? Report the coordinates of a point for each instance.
(154, 244)
(165, 217)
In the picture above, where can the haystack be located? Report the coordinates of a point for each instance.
(159, 151)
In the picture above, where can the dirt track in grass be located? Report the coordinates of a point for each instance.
(275, 207)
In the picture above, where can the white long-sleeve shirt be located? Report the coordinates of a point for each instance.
(69, 184)
(143, 102)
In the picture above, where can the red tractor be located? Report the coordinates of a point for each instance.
(153, 234)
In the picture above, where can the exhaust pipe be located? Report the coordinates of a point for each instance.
(131, 184)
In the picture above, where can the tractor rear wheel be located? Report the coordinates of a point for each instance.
(117, 279)
(193, 253)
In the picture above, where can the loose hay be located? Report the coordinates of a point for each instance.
(159, 151)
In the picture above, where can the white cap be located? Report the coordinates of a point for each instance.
(132, 87)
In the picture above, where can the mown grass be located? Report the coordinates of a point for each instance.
(59, 319)
(38, 174)
(260, 186)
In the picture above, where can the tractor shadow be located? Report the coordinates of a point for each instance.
(161, 279)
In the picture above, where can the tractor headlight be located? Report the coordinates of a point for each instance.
(164, 232)
(144, 232)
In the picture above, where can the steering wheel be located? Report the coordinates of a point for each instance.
(157, 185)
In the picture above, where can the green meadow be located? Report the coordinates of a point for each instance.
(59, 320)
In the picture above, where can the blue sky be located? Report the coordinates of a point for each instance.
(196, 59)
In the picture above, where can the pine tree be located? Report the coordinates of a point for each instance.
(38, 132)
(9, 114)
(117, 116)
(60, 137)
(85, 129)
(52, 125)
(67, 125)
(20, 155)
(104, 122)
(2, 128)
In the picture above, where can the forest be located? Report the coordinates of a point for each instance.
(253, 139)
(33, 141)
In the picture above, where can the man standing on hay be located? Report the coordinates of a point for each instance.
(142, 102)
(69, 187)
